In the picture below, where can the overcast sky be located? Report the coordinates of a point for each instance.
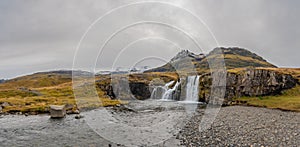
(43, 35)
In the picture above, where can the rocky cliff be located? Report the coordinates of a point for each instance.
(246, 82)
(249, 82)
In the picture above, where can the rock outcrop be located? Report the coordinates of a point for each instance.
(140, 90)
(187, 54)
(248, 82)
(123, 89)
(251, 82)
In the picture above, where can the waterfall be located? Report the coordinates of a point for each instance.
(192, 89)
(159, 91)
(169, 94)
(164, 92)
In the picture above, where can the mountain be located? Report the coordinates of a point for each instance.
(41, 79)
(240, 58)
(2, 80)
(234, 57)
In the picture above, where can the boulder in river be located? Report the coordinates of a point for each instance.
(57, 111)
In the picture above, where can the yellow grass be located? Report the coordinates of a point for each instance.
(28, 101)
(289, 100)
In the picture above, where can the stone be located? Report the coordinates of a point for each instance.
(69, 106)
(5, 104)
(78, 116)
(76, 112)
(33, 113)
(57, 111)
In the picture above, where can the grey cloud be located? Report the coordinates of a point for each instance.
(43, 35)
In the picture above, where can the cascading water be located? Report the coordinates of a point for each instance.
(169, 94)
(192, 89)
(164, 92)
(159, 91)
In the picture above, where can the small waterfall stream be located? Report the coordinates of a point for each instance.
(169, 94)
(164, 92)
(159, 91)
(192, 89)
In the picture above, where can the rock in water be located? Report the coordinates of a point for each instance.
(57, 111)
(78, 116)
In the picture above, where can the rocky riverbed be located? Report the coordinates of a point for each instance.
(234, 126)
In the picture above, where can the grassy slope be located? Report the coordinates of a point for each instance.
(288, 100)
(37, 80)
(34, 93)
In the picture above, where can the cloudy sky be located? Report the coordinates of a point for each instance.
(44, 35)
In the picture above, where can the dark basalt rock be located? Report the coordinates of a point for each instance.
(140, 90)
(136, 90)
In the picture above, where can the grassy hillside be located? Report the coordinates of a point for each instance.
(37, 80)
(34, 93)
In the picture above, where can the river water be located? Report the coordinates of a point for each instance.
(40, 130)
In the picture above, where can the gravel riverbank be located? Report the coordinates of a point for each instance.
(245, 126)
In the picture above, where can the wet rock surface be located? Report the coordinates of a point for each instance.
(245, 126)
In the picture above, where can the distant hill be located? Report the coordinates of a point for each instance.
(234, 57)
(41, 79)
(2, 80)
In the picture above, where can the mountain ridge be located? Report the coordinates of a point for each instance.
(234, 57)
